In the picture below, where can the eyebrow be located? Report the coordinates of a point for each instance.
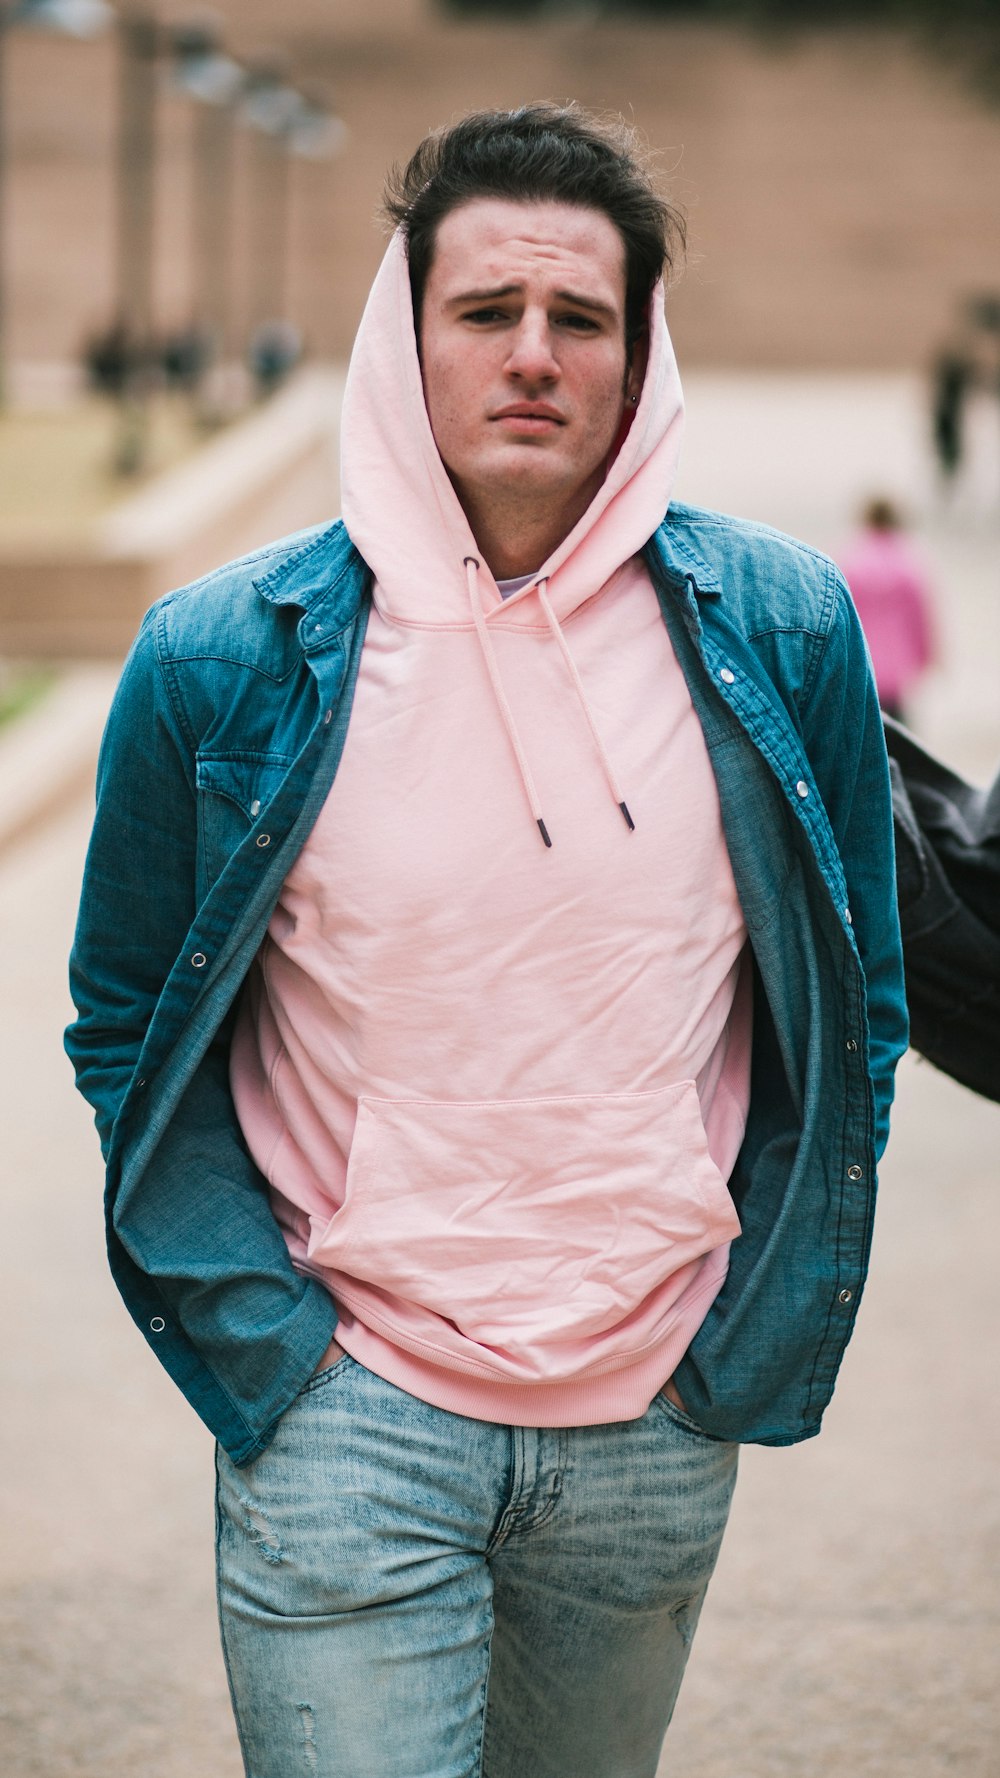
(570, 296)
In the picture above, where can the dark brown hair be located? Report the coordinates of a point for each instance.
(539, 153)
(882, 514)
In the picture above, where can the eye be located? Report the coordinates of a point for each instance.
(484, 317)
(578, 323)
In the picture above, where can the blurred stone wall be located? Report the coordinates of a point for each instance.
(840, 189)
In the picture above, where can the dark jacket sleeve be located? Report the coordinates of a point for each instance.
(948, 882)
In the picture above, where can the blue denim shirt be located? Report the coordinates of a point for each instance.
(222, 744)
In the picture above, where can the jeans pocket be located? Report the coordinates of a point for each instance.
(329, 1374)
(680, 1417)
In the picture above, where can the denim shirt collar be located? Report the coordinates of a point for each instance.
(678, 560)
(326, 578)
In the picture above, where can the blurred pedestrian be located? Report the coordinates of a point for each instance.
(952, 375)
(892, 592)
(186, 355)
(274, 350)
(489, 958)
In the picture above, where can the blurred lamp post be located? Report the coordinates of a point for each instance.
(214, 82)
(270, 108)
(316, 135)
(286, 126)
(66, 18)
(139, 45)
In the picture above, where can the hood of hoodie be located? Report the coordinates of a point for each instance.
(402, 511)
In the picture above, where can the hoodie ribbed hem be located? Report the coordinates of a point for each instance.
(593, 1399)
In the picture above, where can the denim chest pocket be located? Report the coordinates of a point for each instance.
(234, 789)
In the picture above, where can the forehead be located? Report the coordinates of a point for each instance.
(498, 241)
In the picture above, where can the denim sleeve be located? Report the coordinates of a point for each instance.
(138, 897)
(842, 729)
(193, 1245)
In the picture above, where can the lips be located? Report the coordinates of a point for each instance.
(531, 411)
(532, 415)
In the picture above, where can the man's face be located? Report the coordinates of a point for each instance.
(522, 346)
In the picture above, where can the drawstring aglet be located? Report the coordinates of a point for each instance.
(543, 830)
(630, 824)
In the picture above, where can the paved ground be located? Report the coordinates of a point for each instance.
(854, 1621)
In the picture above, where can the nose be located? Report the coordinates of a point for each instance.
(531, 356)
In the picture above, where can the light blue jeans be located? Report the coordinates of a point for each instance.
(408, 1593)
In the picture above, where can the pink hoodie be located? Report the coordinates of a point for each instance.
(498, 1086)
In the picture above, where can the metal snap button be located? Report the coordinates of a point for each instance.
(847, 917)
(852, 1045)
(727, 677)
(855, 1173)
(255, 806)
(199, 960)
(263, 839)
(327, 717)
(802, 788)
(845, 1297)
(157, 1324)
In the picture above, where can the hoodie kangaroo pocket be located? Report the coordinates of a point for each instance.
(525, 1222)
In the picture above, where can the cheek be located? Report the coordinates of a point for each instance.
(606, 415)
(457, 442)
(607, 389)
(440, 397)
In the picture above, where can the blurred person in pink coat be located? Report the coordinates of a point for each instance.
(893, 598)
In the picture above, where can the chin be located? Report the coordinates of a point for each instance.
(533, 465)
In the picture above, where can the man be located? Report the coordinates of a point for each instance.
(489, 952)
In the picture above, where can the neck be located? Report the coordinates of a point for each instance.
(514, 535)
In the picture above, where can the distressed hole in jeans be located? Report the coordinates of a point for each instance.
(262, 1532)
(308, 1721)
(684, 1618)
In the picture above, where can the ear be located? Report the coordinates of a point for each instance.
(635, 368)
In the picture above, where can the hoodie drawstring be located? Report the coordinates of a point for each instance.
(489, 656)
(479, 619)
(609, 771)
